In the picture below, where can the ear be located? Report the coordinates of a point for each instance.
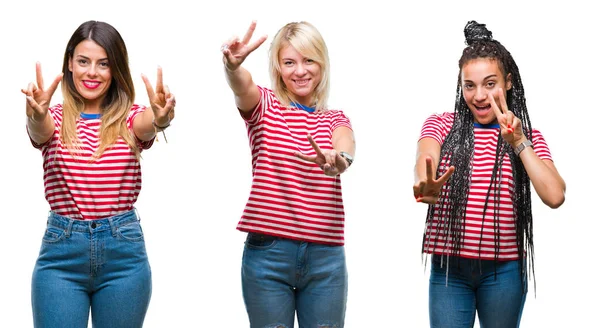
(70, 64)
(508, 82)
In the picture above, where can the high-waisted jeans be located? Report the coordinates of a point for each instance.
(282, 277)
(99, 264)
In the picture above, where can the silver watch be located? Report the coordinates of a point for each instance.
(522, 147)
(347, 157)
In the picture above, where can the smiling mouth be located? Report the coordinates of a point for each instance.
(91, 84)
(482, 108)
(302, 82)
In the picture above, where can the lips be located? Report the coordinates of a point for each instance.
(482, 108)
(302, 83)
(91, 84)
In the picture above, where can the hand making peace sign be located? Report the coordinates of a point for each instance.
(38, 98)
(510, 125)
(236, 51)
(330, 161)
(428, 190)
(161, 99)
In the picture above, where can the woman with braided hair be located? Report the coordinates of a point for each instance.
(479, 226)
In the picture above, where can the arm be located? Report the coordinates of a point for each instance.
(244, 89)
(546, 181)
(40, 129)
(162, 103)
(40, 123)
(239, 79)
(427, 188)
(544, 176)
(342, 139)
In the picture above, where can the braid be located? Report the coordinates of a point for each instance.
(457, 150)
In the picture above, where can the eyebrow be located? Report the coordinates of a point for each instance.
(485, 78)
(86, 57)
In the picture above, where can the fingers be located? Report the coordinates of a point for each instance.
(312, 159)
(495, 107)
(256, 44)
(249, 33)
(159, 80)
(38, 75)
(429, 167)
(54, 84)
(149, 89)
(314, 145)
(446, 176)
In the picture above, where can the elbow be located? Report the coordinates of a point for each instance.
(555, 201)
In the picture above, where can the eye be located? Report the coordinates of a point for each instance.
(309, 61)
(288, 63)
(468, 86)
(81, 61)
(490, 84)
(104, 64)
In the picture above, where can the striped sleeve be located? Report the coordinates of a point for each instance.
(267, 97)
(539, 145)
(437, 126)
(56, 113)
(339, 119)
(135, 111)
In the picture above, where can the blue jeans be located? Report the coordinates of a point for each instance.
(100, 264)
(281, 276)
(472, 286)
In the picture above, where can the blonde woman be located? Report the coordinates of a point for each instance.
(93, 253)
(294, 261)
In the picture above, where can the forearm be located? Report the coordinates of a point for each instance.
(426, 148)
(143, 127)
(244, 89)
(40, 129)
(546, 180)
(343, 140)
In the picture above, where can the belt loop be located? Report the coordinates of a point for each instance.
(69, 228)
(113, 227)
(137, 215)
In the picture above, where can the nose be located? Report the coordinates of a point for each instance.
(300, 70)
(481, 95)
(92, 70)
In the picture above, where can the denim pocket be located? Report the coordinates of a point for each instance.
(260, 241)
(53, 235)
(131, 232)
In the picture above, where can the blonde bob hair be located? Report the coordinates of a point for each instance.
(307, 40)
(118, 99)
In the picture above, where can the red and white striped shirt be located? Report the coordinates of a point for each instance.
(80, 188)
(477, 244)
(292, 198)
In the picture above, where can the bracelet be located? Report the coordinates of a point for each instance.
(522, 147)
(158, 128)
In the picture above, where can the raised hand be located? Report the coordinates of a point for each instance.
(38, 98)
(162, 101)
(236, 51)
(510, 125)
(330, 161)
(428, 190)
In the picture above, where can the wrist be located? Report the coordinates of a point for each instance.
(521, 146)
(516, 143)
(161, 124)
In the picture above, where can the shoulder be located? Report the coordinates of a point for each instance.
(446, 118)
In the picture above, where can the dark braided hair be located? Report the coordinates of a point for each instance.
(457, 151)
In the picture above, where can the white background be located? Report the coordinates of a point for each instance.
(391, 68)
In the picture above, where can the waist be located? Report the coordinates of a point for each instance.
(109, 223)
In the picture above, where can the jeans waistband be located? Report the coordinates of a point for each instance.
(111, 223)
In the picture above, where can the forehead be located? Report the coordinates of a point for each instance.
(89, 48)
(480, 68)
(288, 51)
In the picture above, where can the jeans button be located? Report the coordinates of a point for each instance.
(93, 225)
